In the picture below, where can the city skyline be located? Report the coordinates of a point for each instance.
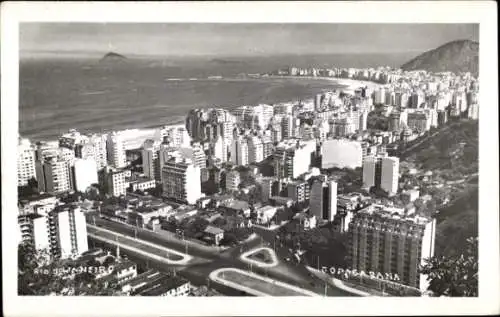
(236, 39)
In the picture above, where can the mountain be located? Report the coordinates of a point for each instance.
(457, 56)
(112, 57)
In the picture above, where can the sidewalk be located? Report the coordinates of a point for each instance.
(184, 256)
(183, 261)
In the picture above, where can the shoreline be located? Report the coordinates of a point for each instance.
(148, 129)
(349, 83)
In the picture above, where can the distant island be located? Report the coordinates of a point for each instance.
(456, 56)
(112, 57)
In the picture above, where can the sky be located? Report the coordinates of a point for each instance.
(198, 39)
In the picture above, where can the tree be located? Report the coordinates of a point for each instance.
(454, 276)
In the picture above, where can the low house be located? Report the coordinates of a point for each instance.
(114, 213)
(214, 234)
(265, 214)
(203, 203)
(234, 222)
(118, 271)
(184, 212)
(306, 221)
(235, 207)
(218, 200)
(309, 222)
(133, 284)
(281, 201)
(410, 195)
(124, 270)
(172, 286)
(211, 217)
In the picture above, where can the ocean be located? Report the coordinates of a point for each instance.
(61, 94)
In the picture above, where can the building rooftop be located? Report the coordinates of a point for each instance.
(236, 204)
(168, 284)
(147, 276)
(213, 230)
(392, 213)
(36, 197)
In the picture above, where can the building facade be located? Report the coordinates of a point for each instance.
(385, 243)
(181, 180)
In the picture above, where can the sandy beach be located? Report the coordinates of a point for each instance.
(350, 84)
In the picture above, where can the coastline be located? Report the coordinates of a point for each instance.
(349, 83)
(147, 130)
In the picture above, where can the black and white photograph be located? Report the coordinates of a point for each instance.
(283, 159)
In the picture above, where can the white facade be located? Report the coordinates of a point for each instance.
(34, 230)
(390, 175)
(369, 172)
(25, 162)
(233, 180)
(379, 96)
(323, 200)
(71, 232)
(293, 158)
(255, 150)
(332, 200)
(176, 135)
(220, 149)
(93, 147)
(85, 173)
(117, 184)
(116, 150)
(53, 175)
(181, 180)
(287, 127)
(341, 153)
(150, 159)
(239, 151)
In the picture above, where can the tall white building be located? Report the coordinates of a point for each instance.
(265, 113)
(34, 230)
(239, 151)
(219, 149)
(94, 148)
(341, 153)
(85, 174)
(53, 175)
(381, 172)
(363, 121)
(116, 182)
(233, 180)
(379, 96)
(62, 231)
(323, 200)
(176, 135)
(68, 231)
(369, 166)
(181, 180)
(116, 150)
(390, 175)
(287, 127)
(293, 158)
(255, 150)
(150, 159)
(25, 162)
